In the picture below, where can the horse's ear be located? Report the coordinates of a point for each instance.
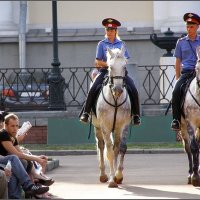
(110, 52)
(198, 52)
(122, 50)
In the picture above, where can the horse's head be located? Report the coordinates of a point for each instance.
(198, 65)
(116, 70)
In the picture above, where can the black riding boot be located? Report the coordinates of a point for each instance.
(175, 125)
(87, 108)
(134, 98)
(176, 108)
(92, 95)
(135, 108)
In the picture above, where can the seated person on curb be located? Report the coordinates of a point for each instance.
(3, 185)
(19, 178)
(9, 144)
(112, 41)
(186, 58)
(30, 165)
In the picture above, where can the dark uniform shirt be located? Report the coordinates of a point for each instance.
(4, 136)
(186, 51)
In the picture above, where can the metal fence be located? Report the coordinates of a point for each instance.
(24, 90)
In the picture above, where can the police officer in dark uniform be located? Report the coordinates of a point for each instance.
(112, 41)
(185, 53)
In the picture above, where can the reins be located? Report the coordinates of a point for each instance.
(116, 106)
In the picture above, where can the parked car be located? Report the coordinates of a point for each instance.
(26, 91)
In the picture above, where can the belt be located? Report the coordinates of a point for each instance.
(184, 71)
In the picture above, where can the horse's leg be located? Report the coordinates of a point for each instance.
(100, 149)
(116, 148)
(110, 157)
(186, 144)
(195, 152)
(122, 151)
(197, 136)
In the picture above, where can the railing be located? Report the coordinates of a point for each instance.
(156, 84)
(28, 89)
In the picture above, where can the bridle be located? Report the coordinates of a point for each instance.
(110, 81)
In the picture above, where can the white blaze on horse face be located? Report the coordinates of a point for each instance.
(116, 67)
(116, 62)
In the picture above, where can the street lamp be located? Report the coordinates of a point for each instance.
(56, 81)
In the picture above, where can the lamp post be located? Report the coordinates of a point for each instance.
(55, 79)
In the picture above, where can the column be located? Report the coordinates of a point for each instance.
(170, 14)
(7, 21)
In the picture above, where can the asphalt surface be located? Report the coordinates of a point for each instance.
(146, 176)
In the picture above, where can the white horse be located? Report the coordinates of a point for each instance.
(190, 125)
(113, 115)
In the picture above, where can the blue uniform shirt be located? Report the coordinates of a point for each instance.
(104, 44)
(184, 52)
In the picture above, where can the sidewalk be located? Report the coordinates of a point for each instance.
(146, 176)
(54, 163)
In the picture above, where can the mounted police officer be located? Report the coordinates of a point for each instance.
(186, 58)
(112, 41)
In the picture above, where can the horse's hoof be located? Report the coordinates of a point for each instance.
(103, 179)
(112, 185)
(195, 180)
(195, 183)
(118, 181)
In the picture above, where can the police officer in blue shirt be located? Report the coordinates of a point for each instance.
(186, 58)
(111, 41)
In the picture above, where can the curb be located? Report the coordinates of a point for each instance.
(93, 152)
(52, 164)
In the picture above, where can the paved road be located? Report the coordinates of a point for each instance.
(146, 176)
